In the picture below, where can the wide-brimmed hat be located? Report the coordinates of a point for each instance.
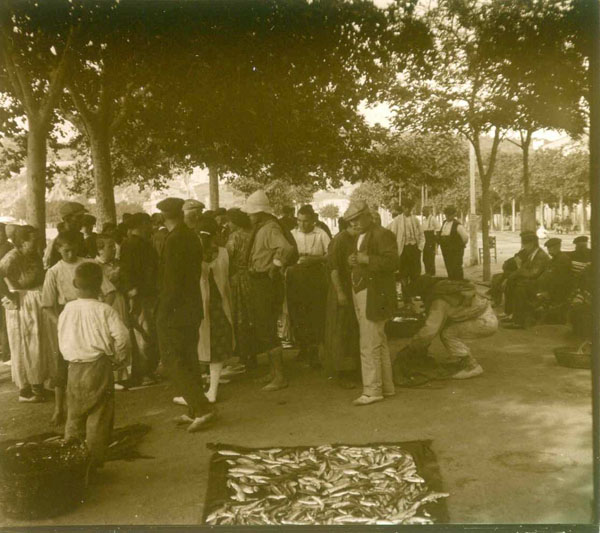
(69, 209)
(257, 202)
(581, 238)
(355, 209)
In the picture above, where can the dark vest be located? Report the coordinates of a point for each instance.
(453, 240)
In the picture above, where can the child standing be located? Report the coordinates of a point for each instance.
(58, 290)
(92, 339)
(106, 257)
(216, 331)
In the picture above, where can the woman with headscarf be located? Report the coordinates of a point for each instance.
(23, 274)
(455, 312)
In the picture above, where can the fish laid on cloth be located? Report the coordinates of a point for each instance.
(330, 485)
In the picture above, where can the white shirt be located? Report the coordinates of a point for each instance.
(361, 238)
(431, 223)
(408, 231)
(58, 285)
(314, 243)
(89, 329)
(460, 229)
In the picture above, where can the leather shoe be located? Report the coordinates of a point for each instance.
(201, 422)
(367, 400)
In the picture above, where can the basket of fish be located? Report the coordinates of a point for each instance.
(575, 358)
(41, 478)
(322, 485)
(403, 327)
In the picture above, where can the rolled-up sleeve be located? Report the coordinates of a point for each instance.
(436, 318)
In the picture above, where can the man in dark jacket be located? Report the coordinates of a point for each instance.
(453, 238)
(373, 264)
(521, 285)
(179, 312)
(555, 284)
(139, 276)
(5, 247)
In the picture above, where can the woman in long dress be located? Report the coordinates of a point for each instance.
(216, 331)
(237, 248)
(23, 273)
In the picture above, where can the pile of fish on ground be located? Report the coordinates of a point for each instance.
(324, 485)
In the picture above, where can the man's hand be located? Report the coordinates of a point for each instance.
(353, 260)
(9, 304)
(362, 258)
(274, 271)
(342, 299)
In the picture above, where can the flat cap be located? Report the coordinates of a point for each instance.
(71, 208)
(581, 238)
(138, 219)
(555, 241)
(220, 212)
(89, 219)
(190, 205)
(355, 209)
(527, 236)
(170, 205)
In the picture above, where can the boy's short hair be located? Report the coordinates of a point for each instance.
(103, 239)
(22, 235)
(65, 239)
(88, 276)
(306, 210)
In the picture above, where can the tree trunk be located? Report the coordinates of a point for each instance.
(502, 216)
(560, 207)
(105, 194)
(485, 230)
(513, 222)
(213, 176)
(527, 205)
(36, 180)
(582, 216)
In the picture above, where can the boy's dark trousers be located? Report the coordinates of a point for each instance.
(91, 406)
(453, 259)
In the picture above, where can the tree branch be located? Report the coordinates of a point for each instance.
(86, 115)
(57, 79)
(17, 77)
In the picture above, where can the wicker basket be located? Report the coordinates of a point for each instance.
(41, 479)
(403, 327)
(569, 357)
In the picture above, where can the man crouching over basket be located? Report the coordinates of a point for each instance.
(457, 313)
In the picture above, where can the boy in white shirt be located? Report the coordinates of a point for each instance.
(93, 340)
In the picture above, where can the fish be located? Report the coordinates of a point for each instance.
(228, 452)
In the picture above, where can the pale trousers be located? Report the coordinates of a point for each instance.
(483, 326)
(375, 363)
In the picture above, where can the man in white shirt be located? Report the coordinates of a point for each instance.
(411, 241)
(453, 239)
(431, 227)
(306, 284)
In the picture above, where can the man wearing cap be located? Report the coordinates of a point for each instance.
(453, 238)
(410, 241)
(288, 220)
(179, 312)
(269, 252)
(139, 276)
(372, 265)
(72, 214)
(192, 211)
(581, 257)
(555, 283)
(306, 286)
(431, 227)
(521, 285)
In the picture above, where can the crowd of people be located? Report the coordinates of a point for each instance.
(195, 295)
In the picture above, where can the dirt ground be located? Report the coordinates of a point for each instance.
(514, 445)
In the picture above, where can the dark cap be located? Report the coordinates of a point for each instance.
(138, 219)
(89, 220)
(221, 211)
(71, 208)
(170, 206)
(581, 238)
(528, 236)
(555, 241)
